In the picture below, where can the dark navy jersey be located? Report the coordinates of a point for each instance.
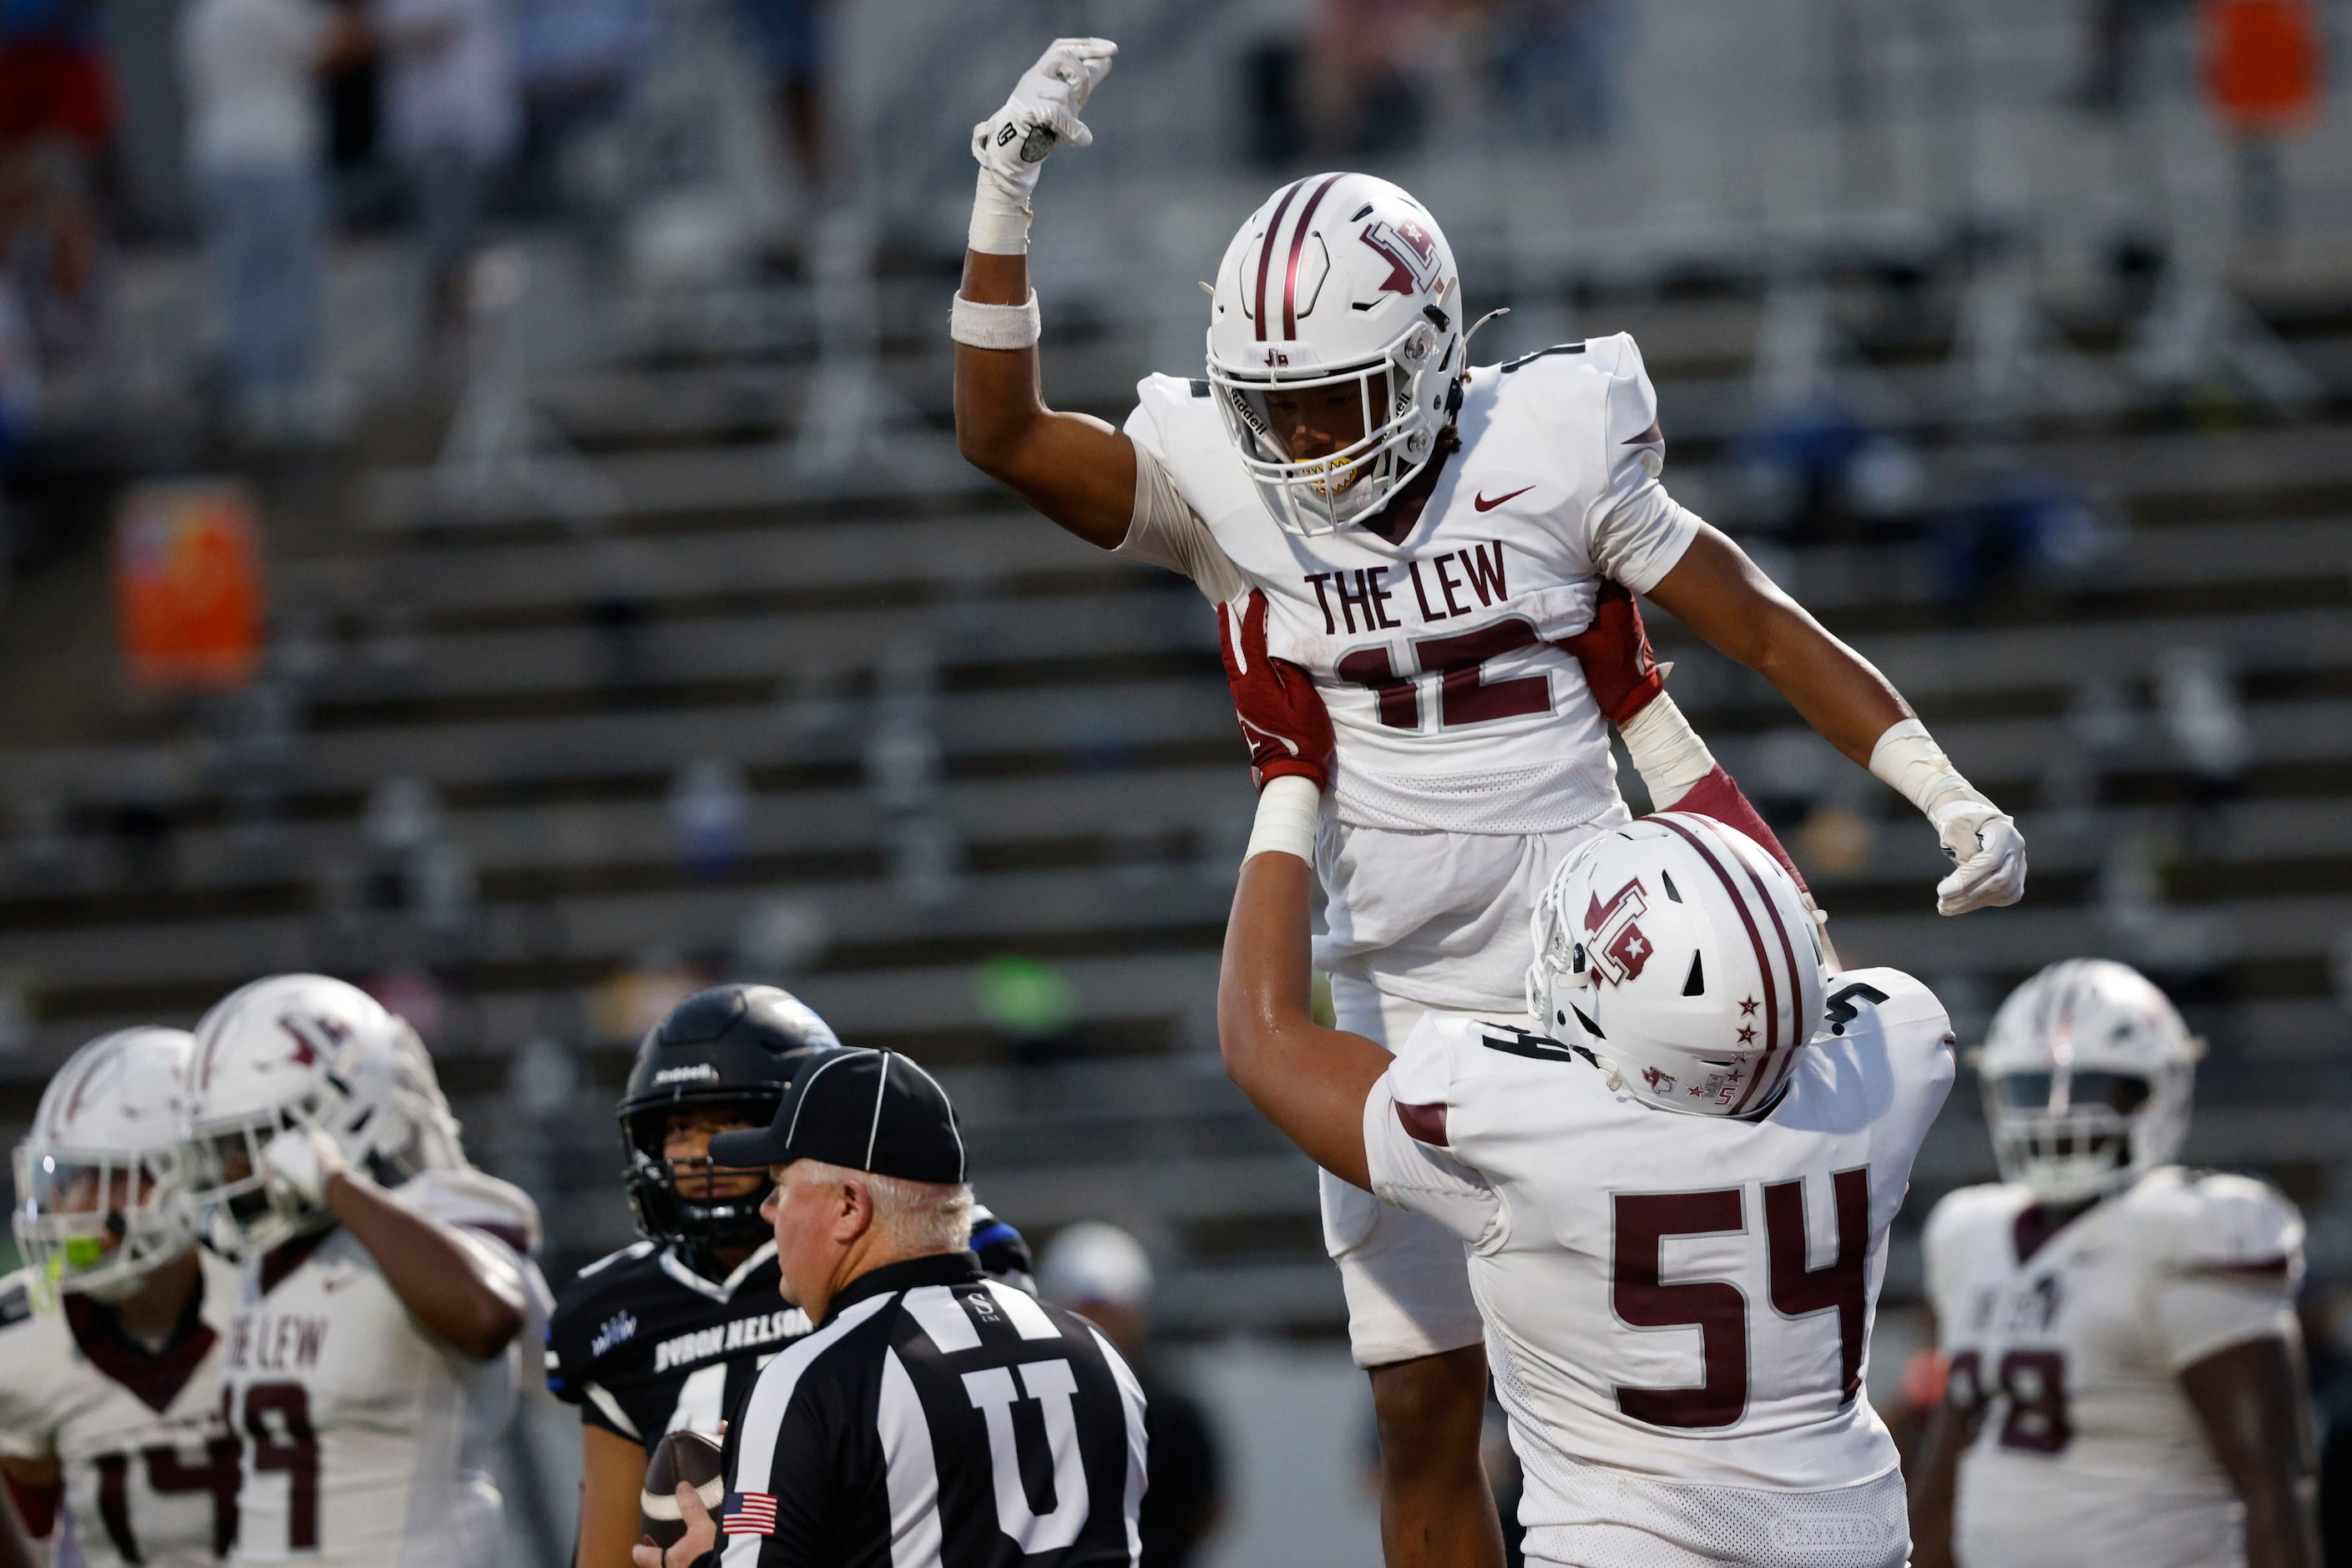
(942, 1418)
(645, 1344)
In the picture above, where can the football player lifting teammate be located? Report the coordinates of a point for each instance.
(669, 1333)
(386, 1292)
(110, 1335)
(1427, 535)
(1675, 1173)
(2125, 1379)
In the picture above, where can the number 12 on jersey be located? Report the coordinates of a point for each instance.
(1719, 1307)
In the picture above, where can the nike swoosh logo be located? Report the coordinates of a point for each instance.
(1482, 504)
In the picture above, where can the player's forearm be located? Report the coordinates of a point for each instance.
(1074, 467)
(1311, 1082)
(1717, 592)
(476, 1309)
(1934, 1478)
(2250, 1402)
(613, 1475)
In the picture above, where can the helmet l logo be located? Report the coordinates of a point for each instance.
(1619, 949)
(1412, 256)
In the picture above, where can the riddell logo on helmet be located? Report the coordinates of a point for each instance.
(680, 1075)
(1618, 947)
(1411, 254)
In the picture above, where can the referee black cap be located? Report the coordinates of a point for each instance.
(863, 1110)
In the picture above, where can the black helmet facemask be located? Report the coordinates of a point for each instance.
(733, 1049)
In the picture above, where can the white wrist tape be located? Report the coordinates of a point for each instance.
(1287, 808)
(1666, 751)
(1000, 219)
(994, 326)
(1908, 758)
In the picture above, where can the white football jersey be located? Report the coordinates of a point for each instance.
(149, 1468)
(367, 1439)
(1453, 709)
(1678, 1308)
(2088, 1451)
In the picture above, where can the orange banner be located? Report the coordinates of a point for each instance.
(188, 587)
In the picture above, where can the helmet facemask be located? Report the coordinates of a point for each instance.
(1372, 439)
(100, 1220)
(2075, 1132)
(689, 1199)
(245, 1214)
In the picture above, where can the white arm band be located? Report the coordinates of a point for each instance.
(994, 326)
(1286, 811)
(1000, 219)
(1908, 758)
(1666, 751)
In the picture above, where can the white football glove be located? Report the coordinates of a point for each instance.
(301, 1161)
(1043, 110)
(1989, 850)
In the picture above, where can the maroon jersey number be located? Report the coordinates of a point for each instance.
(277, 1420)
(1465, 695)
(1718, 1309)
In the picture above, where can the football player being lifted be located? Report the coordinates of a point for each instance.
(1675, 1173)
(670, 1331)
(386, 1294)
(2125, 1378)
(1426, 532)
(110, 1335)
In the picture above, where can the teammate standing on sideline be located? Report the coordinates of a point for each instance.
(1427, 533)
(934, 1416)
(671, 1331)
(2125, 1379)
(110, 1429)
(387, 1294)
(1676, 1192)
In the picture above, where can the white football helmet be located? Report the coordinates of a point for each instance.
(303, 1051)
(101, 1181)
(1679, 955)
(1342, 286)
(2087, 1073)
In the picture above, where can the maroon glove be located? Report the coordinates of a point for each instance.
(1283, 721)
(1615, 653)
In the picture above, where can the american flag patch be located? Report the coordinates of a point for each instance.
(750, 1514)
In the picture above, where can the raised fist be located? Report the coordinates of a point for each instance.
(1043, 110)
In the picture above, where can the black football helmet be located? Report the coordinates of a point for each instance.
(733, 1047)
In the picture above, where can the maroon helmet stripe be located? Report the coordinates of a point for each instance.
(1265, 252)
(1755, 940)
(1798, 1032)
(1297, 247)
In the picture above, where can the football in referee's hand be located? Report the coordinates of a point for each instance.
(694, 1458)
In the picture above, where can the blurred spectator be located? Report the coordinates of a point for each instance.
(2013, 527)
(1031, 1006)
(56, 115)
(788, 37)
(1103, 1273)
(1552, 62)
(2197, 699)
(451, 120)
(711, 816)
(2118, 32)
(255, 139)
(1362, 95)
(780, 940)
(2263, 73)
(575, 61)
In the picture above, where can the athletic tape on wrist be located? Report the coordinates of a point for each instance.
(1907, 759)
(1000, 219)
(1287, 808)
(994, 326)
(1666, 751)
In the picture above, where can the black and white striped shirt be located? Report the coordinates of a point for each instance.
(938, 1418)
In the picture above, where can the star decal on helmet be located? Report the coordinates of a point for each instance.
(1747, 1008)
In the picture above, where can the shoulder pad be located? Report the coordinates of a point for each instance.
(464, 1196)
(1964, 1209)
(1509, 365)
(1425, 1067)
(630, 1253)
(1898, 1005)
(2220, 1223)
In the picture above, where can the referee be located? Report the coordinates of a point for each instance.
(934, 1417)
